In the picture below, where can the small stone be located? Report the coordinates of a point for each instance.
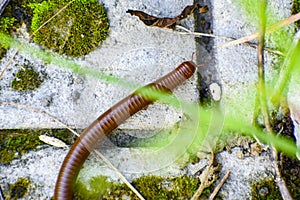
(263, 191)
(79, 80)
(75, 95)
(215, 91)
(240, 154)
(46, 101)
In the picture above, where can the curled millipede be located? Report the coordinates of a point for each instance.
(108, 121)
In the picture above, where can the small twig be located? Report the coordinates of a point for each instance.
(207, 178)
(40, 112)
(119, 174)
(198, 34)
(284, 191)
(219, 186)
(70, 129)
(275, 27)
(12, 134)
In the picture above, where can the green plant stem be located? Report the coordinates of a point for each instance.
(261, 71)
(263, 100)
(291, 61)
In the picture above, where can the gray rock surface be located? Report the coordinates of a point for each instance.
(132, 51)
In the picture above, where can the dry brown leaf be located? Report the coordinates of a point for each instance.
(167, 22)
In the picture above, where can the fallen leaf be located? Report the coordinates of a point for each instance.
(53, 141)
(167, 22)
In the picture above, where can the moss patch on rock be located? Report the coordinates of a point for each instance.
(182, 187)
(19, 188)
(13, 16)
(14, 143)
(6, 23)
(265, 189)
(98, 186)
(296, 9)
(76, 31)
(26, 79)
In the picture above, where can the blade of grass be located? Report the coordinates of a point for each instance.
(291, 61)
(263, 100)
(261, 90)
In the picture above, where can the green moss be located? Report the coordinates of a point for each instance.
(14, 143)
(290, 170)
(62, 134)
(98, 186)
(76, 31)
(12, 18)
(265, 189)
(19, 188)
(26, 79)
(182, 187)
(6, 23)
(296, 9)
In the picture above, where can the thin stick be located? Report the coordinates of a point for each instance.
(30, 37)
(198, 34)
(275, 27)
(219, 186)
(207, 177)
(7, 64)
(284, 191)
(40, 112)
(70, 129)
(119, 174)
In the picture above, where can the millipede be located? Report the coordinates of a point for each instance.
(110, 120)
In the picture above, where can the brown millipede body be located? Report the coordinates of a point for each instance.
(108, 121)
